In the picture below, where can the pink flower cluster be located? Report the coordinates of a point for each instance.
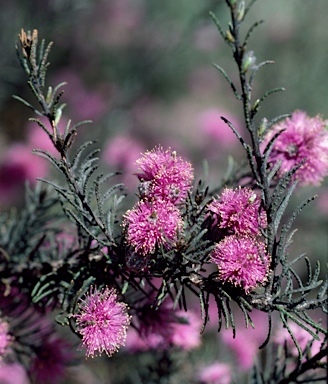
(102, 321)
(164, 175)
(152, 223)
(239, 211)
(302, 137)
(155, 220)
(241, 256)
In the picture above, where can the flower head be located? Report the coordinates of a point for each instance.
(151, 224)
(304, 138)
(241, 261)
(102, 321)
(167, 176)
(238, 210)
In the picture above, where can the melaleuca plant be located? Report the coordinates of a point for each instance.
(105, 270)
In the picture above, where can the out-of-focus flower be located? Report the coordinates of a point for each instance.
(154, 327)
(52, 358)
(18, 164)
(166, 175)
(102, 321)
(238, 210)
(186, 330)
(5, 338)
(302, 337)
(162, 328)
(13, 374)
(216, 373)
(122, 151)
(211, 125)
(304, 137)
(248, 340)
(85, 103)
(150, 224)
(242, 261)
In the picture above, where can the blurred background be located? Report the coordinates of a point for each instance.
(142, 71)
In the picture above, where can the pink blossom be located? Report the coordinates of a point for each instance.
(216, 373)
(5, 338)
(151, 224)
(51, 360)
(211, 124)
(102, 321)
(304, 137)
(13, 374)
(242, 261)
(238, 210)
(164, 175)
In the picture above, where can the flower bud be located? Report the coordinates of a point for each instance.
(241, 11)
(49, 95)
(248, 61)
(58, 116)
(263, 126)
(229, 36)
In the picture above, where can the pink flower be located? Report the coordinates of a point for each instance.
(241, 261)
(51, 360)
(102, 321)
(238, 210)
(5, 338)
(13, 374)
(151, 224)
(164, 175)
(304, 137)
(216, 373)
